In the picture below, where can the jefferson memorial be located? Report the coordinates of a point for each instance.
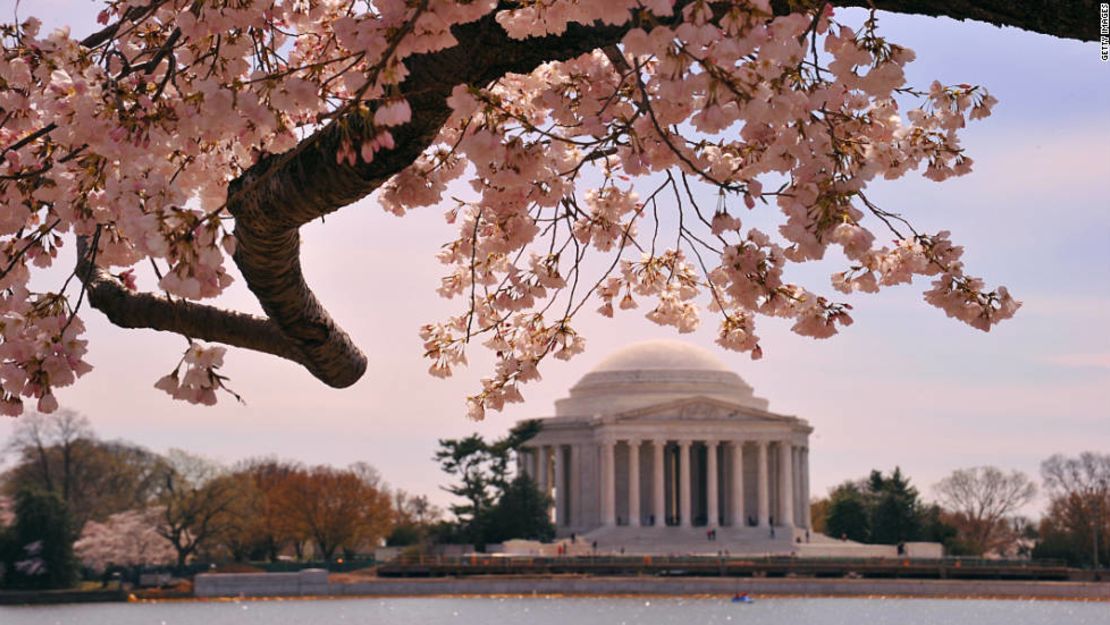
(662, 442)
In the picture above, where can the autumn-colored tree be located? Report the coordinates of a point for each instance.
(337, 509)
(1077, 525)
(270, 525)
(819, 510)
(236, 537)
(183, 134)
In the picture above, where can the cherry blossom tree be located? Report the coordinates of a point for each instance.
(128, 538)
(185, 133)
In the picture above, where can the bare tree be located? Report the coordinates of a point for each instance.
(59, 453)
(37, 435)
(196, 498)
(1081, 486)
(982, 499)
(415, 509)
(369, 475)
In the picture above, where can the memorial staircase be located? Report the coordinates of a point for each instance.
(680, 541)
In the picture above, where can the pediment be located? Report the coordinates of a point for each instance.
(699, 408)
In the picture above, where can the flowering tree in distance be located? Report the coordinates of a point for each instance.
(128, 538)
(188, 132)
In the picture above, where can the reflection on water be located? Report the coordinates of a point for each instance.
(570, 611)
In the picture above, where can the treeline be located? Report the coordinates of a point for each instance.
(884, 510)
(977, 511)
(74, 499)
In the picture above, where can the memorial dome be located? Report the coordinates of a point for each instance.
(661, 354)
(654, 372)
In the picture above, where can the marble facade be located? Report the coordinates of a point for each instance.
(663, 434)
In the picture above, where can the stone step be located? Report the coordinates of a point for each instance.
(674, 540)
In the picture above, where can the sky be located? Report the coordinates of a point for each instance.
(904, 386)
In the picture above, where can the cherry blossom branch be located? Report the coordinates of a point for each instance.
(279, 193)
(1067, 20)
(129, 309)
(311, 184)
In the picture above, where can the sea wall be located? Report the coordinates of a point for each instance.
(726, 586)
(309, 583)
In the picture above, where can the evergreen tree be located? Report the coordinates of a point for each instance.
(936, 527)
(502, 450)
(848, 514)
(483, 470)
(38, 551)
(520, 513)
(896, 516)
(884, 510)
(468, 459)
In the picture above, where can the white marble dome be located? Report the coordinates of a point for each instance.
(661, 354)
(654, 372)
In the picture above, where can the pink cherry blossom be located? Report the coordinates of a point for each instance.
(132, 148)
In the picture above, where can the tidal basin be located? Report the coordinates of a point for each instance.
(576, 611)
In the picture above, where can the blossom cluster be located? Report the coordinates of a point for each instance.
(130, 138)
(796, 98)
(199, 383)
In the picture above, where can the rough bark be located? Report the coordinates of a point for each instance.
(280, 193)
(129, 309)
(1066, 19)
(269, 206)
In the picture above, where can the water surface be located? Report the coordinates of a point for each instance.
(569, 611)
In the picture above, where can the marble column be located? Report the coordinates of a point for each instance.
(561, 494)
(712, 511)
(796, 465)
(684, 482)
(808, 514)
(762, 512)
(574, 489)
(608, 485)
(542, 472)
(634, 483)
(738, 518)
(542, 480)
(658, 498)
(786, 485)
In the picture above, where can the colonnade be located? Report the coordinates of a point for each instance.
(661, 479)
